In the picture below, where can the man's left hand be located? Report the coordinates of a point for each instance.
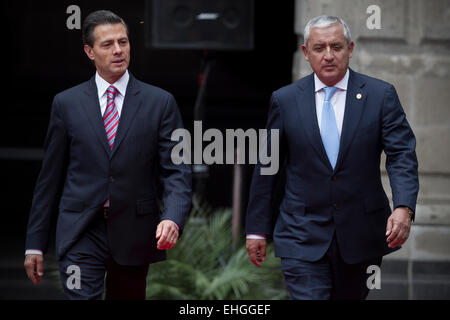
(398, 227)
(167, 233)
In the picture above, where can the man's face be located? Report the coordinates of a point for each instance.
(328, 53)
(111, 51)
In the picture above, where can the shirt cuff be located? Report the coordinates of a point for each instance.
(33, 251)
(256, 236)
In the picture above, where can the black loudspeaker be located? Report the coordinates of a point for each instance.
(200, 24)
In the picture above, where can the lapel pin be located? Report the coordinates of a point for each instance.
(359, 96)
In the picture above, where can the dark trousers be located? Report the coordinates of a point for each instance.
(83, 269)
(329, 278)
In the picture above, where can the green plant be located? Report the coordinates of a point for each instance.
(203, 265)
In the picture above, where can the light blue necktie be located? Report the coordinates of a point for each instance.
(329, 130)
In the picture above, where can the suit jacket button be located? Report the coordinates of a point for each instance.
(335, 206)
(111, 179)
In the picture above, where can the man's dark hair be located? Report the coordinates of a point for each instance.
(97, 18)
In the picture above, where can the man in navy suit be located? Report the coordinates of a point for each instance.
(107, 152)
(334, 219)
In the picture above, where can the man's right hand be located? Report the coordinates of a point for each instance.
(34, 265)
(256, 249)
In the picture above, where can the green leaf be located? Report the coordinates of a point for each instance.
(203, 265)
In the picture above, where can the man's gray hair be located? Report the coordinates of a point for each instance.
(325, 21)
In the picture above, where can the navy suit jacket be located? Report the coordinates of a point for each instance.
(79, 172)
(349, 200)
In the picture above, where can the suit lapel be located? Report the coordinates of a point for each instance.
(91, 106)
(130, 107)
(306, 103)
(354, 106)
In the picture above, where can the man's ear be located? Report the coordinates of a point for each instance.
(89, 52)
(350, 49)
(305, 52)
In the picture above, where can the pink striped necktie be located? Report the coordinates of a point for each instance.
(111, 115)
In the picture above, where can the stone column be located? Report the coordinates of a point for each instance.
(411, 50)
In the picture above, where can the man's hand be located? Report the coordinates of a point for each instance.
(398, 227)
(167, 233)
(256, 249)
(34, 265)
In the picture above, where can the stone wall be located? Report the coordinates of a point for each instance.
(411, 50)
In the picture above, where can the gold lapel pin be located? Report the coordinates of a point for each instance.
(359, 96)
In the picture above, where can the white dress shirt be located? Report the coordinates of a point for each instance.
(337, 100)
(338, 103)
(102, 86)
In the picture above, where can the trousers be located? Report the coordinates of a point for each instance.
(329, 278)
(88, 271)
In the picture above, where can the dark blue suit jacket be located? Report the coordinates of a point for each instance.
(348, 200)
(79, 172)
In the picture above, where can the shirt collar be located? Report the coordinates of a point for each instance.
(342, 84)
(120, 85)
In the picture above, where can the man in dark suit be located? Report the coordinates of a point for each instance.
(334, 219)
(107, 152)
